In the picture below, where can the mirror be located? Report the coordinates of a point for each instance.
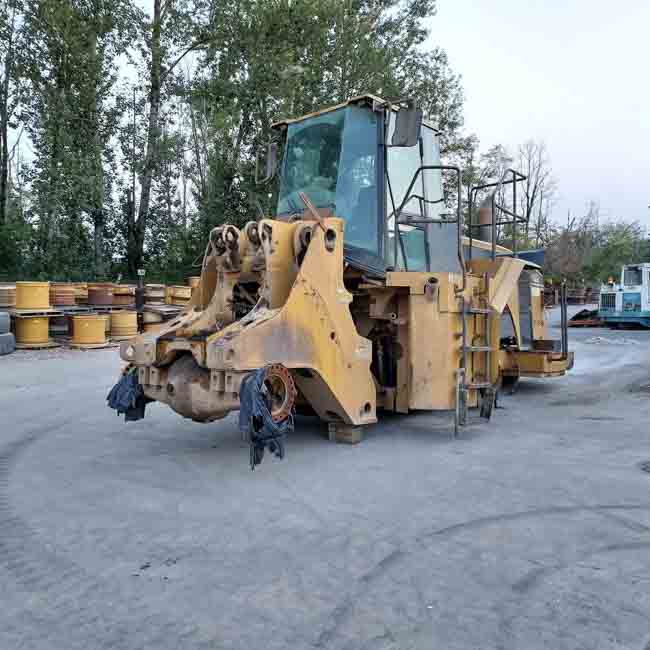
(271, 164)
(408, 125)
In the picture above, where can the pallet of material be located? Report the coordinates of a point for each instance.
(585, 318)
(166, 311)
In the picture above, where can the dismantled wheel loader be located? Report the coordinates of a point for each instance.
(364, 293)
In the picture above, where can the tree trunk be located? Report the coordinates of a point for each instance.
(97, 177)
(4, 125)
(98, 240)
(153, 138)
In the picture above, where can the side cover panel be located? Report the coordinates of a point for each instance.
(434, 343)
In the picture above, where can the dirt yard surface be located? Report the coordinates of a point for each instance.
(531, 531)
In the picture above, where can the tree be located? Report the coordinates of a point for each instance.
(286, 58)
(538, 190)
(10, 17)
(71, 118)
(177, 27)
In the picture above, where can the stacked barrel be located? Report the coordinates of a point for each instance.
(124, 325)
(33, 296)
(81, 293)
(32, 314)
(100, 294)
(180, 295)
(62, 294)
(123, 295)
(154, 294)
(89, 330)
(7, 296)
(87, 315)
(7, 301)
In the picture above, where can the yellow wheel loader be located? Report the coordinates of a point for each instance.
(363, 294)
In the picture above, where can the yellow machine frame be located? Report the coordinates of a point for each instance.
(314, 315)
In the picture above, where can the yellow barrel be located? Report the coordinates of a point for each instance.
(124, 324)
(193, 282)
(7, 295)
(32, 331)
(62, 293)
(32, 295)
(89, 329)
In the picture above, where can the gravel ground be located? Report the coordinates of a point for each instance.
(531, 531)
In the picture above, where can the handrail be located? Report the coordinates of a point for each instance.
(458, 221)
(516, 218)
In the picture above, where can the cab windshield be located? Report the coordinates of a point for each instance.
(332, 158)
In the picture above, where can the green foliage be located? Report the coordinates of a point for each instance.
(589, 251)
(15, 237)
(211, 77)
(616, 244)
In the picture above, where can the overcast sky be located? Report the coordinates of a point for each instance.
(574, 73)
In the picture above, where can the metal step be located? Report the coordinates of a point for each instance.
(477, 310)
(478, 348)
(477, 385)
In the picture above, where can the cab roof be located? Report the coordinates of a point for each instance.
(371, 100)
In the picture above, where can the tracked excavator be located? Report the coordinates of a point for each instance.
(365, 293)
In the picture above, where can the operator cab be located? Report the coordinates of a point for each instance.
(350, 163)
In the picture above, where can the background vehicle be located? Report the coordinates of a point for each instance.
(629, 301)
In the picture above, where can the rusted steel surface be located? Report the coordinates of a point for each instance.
(62, 294)
(282, 391)
(100, 295)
